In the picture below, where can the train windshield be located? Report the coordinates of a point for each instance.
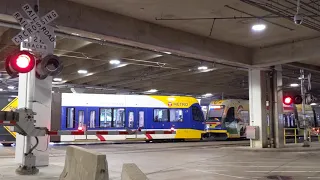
(215, 113)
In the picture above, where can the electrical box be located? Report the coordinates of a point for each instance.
(252, 132)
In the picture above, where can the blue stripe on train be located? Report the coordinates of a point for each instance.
(133, 112)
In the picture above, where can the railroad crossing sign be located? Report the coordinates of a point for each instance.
(37, 29)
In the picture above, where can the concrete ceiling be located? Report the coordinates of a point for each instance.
(141, 70)
(237, 31)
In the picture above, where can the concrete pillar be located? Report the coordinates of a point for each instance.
(257, 103)
(278, 107)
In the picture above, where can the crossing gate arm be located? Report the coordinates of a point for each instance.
(59, 133)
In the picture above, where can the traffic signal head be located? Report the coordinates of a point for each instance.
(21, 62)
(50, 65)
(288, 100)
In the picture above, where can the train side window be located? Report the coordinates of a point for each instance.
(230, 115)
(80, 118)
(118, 117)
(131, 119)
(105, 117)
(197, 114)
(70, 118)
(141, 118)
(176, 115)
(161, 115)
(92, 119)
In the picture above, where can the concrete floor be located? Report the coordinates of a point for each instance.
(187, 161)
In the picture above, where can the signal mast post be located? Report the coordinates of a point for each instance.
(35, 86)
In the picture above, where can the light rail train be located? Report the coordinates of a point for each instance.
(126, 114)
(229, 118)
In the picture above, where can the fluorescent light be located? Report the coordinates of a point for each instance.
(202, 67)
(207, 95)
(122, 65)
(258, 27)
(76, 34)
(82, 71)
(89, 74)
(166, 52)
(57, 79)
(1, 89)
(152, 91)
(114, 61)
(294, 85)
(313, 104)
(10, 87)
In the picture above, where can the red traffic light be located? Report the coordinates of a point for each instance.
(287, 100)
(21, 62)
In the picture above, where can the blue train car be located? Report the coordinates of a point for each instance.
(115, 114)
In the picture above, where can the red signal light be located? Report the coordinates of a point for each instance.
(80, 128)
(21, 62)
(287, 100)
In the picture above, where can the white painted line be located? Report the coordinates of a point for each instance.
(249, 166)
(283, 171)
(226, 175)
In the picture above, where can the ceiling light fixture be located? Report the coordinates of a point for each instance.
(313, 104)
(207, 95)
(294, 85)
(166, 52)
(82, 71)
(258, 27)
(1, 89)
(114, 61)
(10, 87)
(152, 91)
(202, 67)
(57, 79)
(89, 74)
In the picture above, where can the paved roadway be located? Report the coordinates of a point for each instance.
(187, 161)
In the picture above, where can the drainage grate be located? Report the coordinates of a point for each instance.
(280, 177)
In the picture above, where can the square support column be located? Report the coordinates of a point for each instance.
(39, 93)
(278, 107)
(257, 103)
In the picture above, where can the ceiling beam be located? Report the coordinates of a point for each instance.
(119, 29)
(308, 67)
(287, 53)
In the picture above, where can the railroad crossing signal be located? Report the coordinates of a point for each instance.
(37, 30)
(39, 38)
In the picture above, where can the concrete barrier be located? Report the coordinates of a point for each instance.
(83, 164)
(132, 172)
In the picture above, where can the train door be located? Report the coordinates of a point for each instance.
(80, 117)
(197, 118)
(91, 118)
(135, 118)
(141, 118)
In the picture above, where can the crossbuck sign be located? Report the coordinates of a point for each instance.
(37, 29)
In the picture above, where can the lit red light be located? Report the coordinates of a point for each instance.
(21, 62)
(80, 128)
(287, 100)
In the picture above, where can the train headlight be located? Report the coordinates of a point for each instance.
(207, 126)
